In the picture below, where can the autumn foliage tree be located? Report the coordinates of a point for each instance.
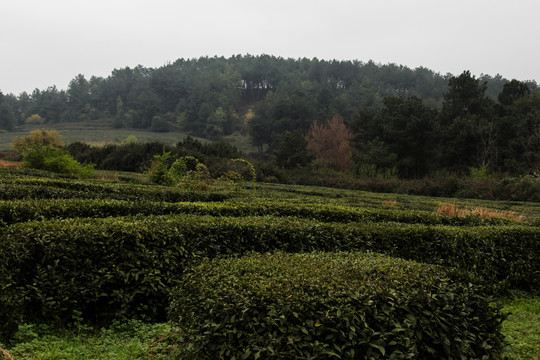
(37, 138)
(331, 143)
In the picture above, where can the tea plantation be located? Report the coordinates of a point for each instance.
(267, 272)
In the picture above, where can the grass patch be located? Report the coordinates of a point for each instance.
(128, 340)
(522, 328)
(94, 136)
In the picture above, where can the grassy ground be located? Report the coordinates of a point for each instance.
(138, 340)
(522, 328)
(99, 135)
(123, 341)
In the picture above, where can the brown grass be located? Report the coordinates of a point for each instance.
(4, 355)
(389, 203)
(108, 177)
(9, 164)
(452, 210)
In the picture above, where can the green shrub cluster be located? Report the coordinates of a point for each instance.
(51, 158)
(333, 305)
(104, 267)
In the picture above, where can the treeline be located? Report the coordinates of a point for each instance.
(210, 96)
(400, 121)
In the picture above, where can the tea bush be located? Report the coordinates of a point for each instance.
(30, 209)
(45, 188)
(333, 305)
(125, 266)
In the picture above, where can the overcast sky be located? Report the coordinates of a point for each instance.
(49, 42)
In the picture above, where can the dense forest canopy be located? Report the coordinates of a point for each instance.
(412, 120)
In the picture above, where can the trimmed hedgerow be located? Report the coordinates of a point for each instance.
(125, 266)
(333, 305)
(58, 189)
(29, 209)
(104, 269)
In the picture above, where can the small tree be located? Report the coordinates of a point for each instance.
(34, 119)
(331, 143)
(160, 169)
(37, 138)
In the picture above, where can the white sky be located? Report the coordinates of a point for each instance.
(49, 42)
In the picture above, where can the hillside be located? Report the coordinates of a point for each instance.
(410, 121)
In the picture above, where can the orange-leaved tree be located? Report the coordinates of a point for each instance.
(331, 143)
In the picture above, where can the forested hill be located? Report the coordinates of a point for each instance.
(412, 121)
(209, 97)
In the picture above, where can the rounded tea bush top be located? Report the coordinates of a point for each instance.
(333, 305)
(272, 275)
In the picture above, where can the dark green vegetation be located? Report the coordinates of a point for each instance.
(333, 305)
(78, 255)
(404, 122)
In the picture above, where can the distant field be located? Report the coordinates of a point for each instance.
(99, 136)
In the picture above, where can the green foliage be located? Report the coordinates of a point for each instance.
(401, 136)
(24, 210)
(124, 340)
(125, 266)
(325, 305)
(292, 151)
(186, 171)
(250, 167)
(370, 171)
(114, 274)
(54, 159)
(479, 173)
(123, 261)
(36, 139)
(159, 171)
(34, 119)
(522, 328)
(58, 188)
(129, 156)
(278, 97)
(131, 139)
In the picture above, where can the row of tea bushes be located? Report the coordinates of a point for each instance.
(112, 266)
(29, 209)
(73, 190)
(333, 305)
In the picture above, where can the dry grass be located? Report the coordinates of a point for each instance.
(452, 210)
(389, 203)
(9, 164)
(107, 177)
(4, 355)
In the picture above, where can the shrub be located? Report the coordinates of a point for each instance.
(54, 159)
(125, 266)
(159, 170)
(37, 138)
(333, 305)
(102, 271)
